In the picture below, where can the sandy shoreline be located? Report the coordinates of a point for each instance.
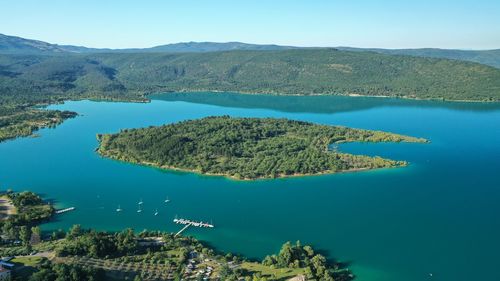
(6, 207)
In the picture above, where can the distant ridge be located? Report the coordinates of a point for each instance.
(19, 45)
(487, 57)
(215, 47)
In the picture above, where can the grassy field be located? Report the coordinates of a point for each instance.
(27, 261)
(25, 266)
(275, 273)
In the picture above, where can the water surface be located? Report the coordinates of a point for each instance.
(439, 215)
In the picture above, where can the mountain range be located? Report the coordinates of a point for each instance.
(18, 45)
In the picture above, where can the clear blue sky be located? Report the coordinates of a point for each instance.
(471, 24)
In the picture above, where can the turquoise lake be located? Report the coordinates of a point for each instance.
(439, 215)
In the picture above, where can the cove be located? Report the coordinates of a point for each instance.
(439, 215)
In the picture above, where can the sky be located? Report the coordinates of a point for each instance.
(452, 24)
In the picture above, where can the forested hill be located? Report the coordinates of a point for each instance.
(487, 57)
(299, 72)
(19, 45)
(23, 46)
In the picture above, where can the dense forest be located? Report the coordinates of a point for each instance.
(299, 72)
(486, 57)
(29, 80)
(246, 148)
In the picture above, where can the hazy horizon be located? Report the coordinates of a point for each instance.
(444, 24)
(250, 43)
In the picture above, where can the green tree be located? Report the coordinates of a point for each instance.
(285, 255)
(309, 251)
(319, 264)
(74, 231)
(36, 235)
(25, 234)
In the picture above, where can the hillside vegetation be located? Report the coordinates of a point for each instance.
(246, 148)
(15, 122)
(298, 72)
(27, 80)
(487, 57)
(18, 45)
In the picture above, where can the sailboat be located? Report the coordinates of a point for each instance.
(119, 209)
(156, 212)
(167, 200)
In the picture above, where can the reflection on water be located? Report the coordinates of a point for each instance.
(315, 104)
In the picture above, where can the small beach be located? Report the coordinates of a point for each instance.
(6, 207)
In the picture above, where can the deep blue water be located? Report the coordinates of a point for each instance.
(439, 215)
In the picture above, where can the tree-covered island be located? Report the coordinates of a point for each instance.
(247, 148)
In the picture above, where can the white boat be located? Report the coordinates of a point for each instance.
(140, 209)
(167, 200)
(119, 209)
(156, 212)
(140, 202)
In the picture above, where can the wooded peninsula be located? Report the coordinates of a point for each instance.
(247, 148)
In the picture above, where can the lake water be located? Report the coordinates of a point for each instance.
(439, 215)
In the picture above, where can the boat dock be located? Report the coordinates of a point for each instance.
(180, 231)
(193, 223)
(188, 223)
(65, 210)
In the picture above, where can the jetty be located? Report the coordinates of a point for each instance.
(65, 210)
(188, 223)
(180, 231)
(193, 223)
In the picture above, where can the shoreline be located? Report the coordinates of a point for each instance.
(233, 178)
(345, 162)
(9, 210)
(143, 97)
(354, 95)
